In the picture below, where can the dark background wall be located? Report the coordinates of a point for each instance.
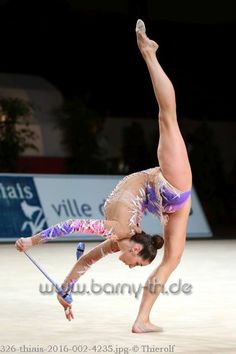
(88, 50)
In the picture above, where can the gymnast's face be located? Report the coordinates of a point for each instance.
(131, 258)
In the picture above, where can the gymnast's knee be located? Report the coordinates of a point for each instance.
(167, 116)
(171, 263)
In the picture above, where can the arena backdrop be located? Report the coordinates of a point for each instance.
(31, 203)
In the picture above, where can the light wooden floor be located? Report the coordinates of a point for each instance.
(202, 322)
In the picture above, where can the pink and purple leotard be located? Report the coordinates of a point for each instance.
(147, 190)
(133, 195)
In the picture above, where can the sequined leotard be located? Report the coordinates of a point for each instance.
(140, 191)
(124, 208)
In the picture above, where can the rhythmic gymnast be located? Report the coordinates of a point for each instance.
(165, 191)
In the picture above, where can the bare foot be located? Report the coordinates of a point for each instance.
(140, 327)
(145, 44)
(23, 244)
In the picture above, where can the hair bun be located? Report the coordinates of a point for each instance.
(157, 241)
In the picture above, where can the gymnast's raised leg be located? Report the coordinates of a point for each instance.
(174, 163)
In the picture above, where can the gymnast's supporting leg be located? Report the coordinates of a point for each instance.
(175, 167)
(174, 242)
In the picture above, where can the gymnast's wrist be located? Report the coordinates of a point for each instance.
(36, 239)
(67, 286)
(64, 286)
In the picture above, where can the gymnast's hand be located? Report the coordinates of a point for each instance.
(67, 308)
(23, 244)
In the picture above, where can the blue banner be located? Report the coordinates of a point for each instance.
(31, 203)
(21, 211)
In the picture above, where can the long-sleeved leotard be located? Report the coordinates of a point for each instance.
(104, 228)
(124, 208)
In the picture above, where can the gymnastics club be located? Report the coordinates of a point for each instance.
(59, 290)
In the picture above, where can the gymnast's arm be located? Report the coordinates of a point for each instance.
(87, 260)
(105, 228)
(81, 266)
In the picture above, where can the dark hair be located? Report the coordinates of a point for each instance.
(150, 243)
